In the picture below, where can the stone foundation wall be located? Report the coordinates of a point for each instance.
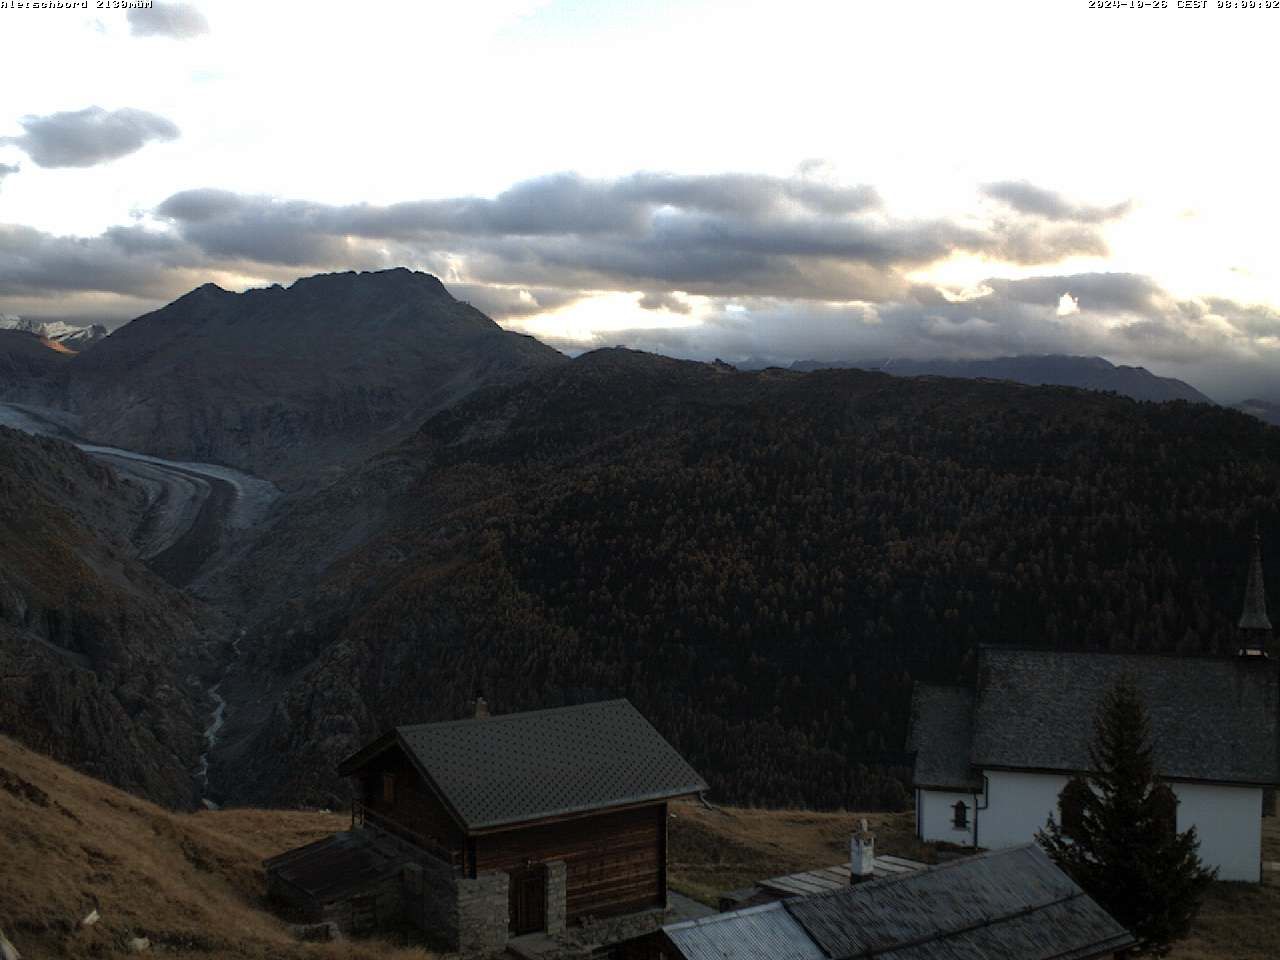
(483, 914)
(462, 915)
(602, 932)
(557, 896)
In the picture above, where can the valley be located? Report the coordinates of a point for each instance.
(764, 561)
(193, 510)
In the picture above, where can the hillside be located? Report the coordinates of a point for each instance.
(762, 562)
(1088, 373)
(30, 364)
(190, 883)
(1267, 411)
(95, 651)
(193, 885)
(293, 383)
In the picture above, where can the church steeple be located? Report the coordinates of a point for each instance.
(1255, 626)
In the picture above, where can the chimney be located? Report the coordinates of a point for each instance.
(862, 854)
(482, 708)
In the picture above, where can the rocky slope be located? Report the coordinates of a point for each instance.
(293, 384)
(94, 649)
(74, 338)
(30, 365)
(763, 562)
(1088, 373)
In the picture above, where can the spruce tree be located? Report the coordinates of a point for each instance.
(1120, 841)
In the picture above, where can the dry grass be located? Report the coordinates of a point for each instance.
(711, 851)
(1240, 921)
(191, 883)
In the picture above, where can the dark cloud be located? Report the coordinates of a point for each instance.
(33, 262)
(1038, 202)
(83, 138)
(723, 234)
(664, 301)
(178, 21)
(1093, 291)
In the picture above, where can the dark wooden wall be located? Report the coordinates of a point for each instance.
(415, 804)
(614, 862)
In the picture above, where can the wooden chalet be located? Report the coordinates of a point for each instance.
(569, 803)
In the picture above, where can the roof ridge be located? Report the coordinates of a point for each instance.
(1133, 654)
(519, 714)
(935, 868)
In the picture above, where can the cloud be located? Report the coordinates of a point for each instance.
(1035, 201)
(787, 268)
(178, 21)
(8, 170)
(710, 235)
(664, 301)
(83, 138)
(506, 303)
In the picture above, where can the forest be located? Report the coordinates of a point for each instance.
(765, 562)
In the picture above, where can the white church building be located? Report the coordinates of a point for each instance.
(991, 759)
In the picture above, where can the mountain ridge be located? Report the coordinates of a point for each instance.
(1085, 372)
(294, 383)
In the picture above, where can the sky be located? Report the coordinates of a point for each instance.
(736, 179)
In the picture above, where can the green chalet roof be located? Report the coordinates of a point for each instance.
(516, 767)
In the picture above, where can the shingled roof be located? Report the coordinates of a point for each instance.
(1212, 718)
(1007, 903)
(941, 726)
(512, 768)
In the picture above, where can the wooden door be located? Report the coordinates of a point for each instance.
(527, 909)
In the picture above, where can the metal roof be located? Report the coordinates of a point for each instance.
(1007, 903)
(1212, 718)
(826, 879)
(508, 769)
(941, 728)
(756, 933)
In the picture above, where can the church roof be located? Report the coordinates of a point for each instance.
(516, 767)
(1212, 719)
(940, 734)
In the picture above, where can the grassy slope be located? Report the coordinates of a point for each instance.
(193, 883)
(712, 851)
